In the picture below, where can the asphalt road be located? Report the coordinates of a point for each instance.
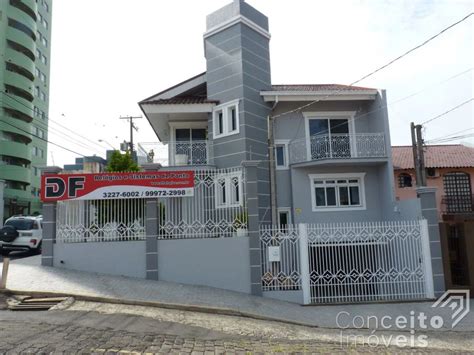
(92, 332)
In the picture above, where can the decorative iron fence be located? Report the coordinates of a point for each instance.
(80, 221)
(338, 146)
(348, 262)
(217, 209)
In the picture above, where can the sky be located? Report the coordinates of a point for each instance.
(108, 55)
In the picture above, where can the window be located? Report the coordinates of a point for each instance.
(44, 60)
(284, 218)
(335, 192)
(229, 190)
(226, 119)
(404, 180)
(42, 96)
(281, 154)
(43, 77)
(38, 53)
(37, 91)
(35, 171)
(37, 72)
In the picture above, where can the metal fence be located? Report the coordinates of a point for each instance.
(338, 146)
(79, 221)
(217, 209)
(349, 262)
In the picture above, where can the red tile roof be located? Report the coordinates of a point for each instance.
(318, 87)
(181, 101)
(436, 156)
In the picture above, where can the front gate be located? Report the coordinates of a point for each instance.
(348, 262)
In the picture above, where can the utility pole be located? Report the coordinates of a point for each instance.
(421, 153)
(418, 154)
(132, 127)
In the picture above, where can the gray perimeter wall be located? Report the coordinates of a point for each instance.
(114, 258)
(222, 263)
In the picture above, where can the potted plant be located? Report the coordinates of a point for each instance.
(240, 224)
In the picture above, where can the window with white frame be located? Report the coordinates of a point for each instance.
(226, 119)
(331, 192)
(229, 190)
(281, 154)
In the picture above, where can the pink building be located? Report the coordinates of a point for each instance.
(449, 168)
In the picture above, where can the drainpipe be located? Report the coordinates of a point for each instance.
(271, 156)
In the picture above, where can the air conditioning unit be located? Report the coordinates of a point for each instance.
(432, 173)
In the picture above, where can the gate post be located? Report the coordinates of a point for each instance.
(304, 262)
(427, 196)
(253, 226)
(151, 230)
(425, 247)
(49, 224)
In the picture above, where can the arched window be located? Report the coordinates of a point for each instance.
(404, 180)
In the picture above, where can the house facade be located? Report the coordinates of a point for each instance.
(293, 189)
(449, 169)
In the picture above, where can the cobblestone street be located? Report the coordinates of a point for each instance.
(91, 332)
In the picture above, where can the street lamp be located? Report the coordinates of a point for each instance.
(103, 140)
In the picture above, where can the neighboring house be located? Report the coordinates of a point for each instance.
(25, 48)
(450, 169)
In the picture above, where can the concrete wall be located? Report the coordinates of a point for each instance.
(222, 263)
(114, 258)
(289, 296)
(302, 204)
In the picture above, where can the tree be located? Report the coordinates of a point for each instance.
(121, 163)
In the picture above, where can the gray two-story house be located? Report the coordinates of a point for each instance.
(331, 158)
(323, 174)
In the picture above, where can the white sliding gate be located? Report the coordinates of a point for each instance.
(348, 262)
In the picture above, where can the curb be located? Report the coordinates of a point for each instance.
(165, 305)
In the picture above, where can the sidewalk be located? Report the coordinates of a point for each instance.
(28, 276)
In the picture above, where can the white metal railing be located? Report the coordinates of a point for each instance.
(338, 146)
(176, 153)
(205, 215)
(188, 153)
(348, 262)
(80, 221)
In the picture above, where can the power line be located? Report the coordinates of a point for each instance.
(445, 113)
(452, 138)
(380, 68)
(43, 139)
(39, 122)
(448, 135)
(78, 143)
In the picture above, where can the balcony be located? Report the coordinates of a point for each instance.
(337, 146)
(457, 207)
(188, 153)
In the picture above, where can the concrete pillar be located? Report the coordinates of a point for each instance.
(49, 224)
(2, 201)
(151, 229)
(251, 188)
(427, 196)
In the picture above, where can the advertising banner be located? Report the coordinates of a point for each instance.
(104, 186)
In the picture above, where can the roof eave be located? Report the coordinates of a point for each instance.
(273, 96)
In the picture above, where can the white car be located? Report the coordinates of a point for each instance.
(21, 233)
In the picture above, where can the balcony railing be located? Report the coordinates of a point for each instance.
(188, 153)
(457, 204)
(338, 146)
